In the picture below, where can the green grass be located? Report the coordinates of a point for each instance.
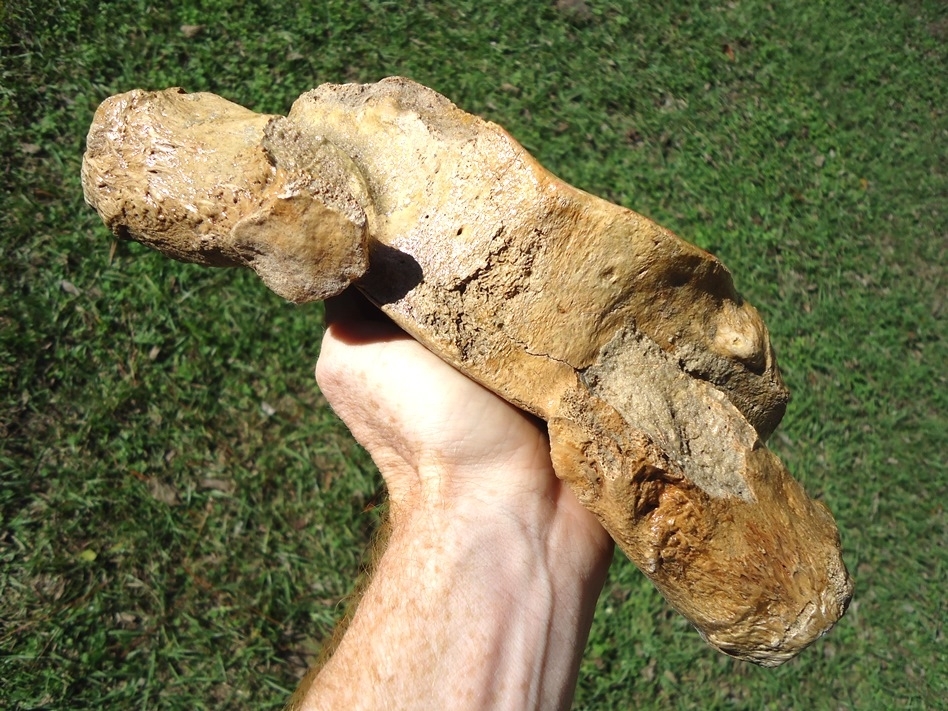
(167, 544)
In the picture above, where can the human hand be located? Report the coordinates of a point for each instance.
(485, 594)
(440, 439)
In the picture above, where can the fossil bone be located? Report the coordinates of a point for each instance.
(657, 381)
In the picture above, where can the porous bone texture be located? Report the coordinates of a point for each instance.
(657, 380)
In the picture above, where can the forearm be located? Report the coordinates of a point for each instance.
(467, 610)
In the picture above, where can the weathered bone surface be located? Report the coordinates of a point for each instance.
(657, 380)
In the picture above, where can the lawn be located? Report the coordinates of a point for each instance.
(182, 517)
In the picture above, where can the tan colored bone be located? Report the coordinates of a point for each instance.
(657, 380)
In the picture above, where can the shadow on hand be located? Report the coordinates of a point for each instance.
(355, 321)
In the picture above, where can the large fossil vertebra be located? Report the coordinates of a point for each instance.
(657, 381)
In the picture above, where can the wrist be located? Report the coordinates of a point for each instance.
(500, 520)
(506, 619)
(484, 597)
